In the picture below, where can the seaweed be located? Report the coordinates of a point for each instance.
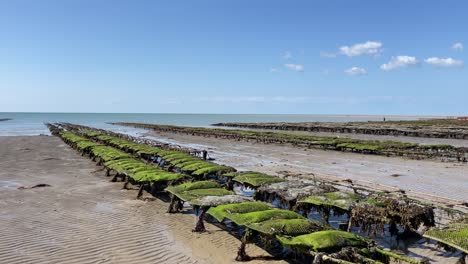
(263, 215)
(372, 214)
(323, 241)
(193, 195)
(454, 235)
(179, 159)
(286, 226)
(222, 211)
(338, 200)
(255, 179)
(392, 257)
(192, 186)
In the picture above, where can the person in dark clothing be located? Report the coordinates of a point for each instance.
(205, 154)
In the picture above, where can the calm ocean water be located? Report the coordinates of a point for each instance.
(33, 123)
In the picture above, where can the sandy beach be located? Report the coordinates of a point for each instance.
(218, 132)
(84, 218)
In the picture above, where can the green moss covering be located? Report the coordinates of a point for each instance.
(231, 174)
(141, 172)
(392, 257)
(221, 211)
(212, 170)
(106, 153)
(90, 133)
(196, 194)
(322, 241)
(82, 145)
(176, 156)
(286, 227)
(340, 200)
(150, 151)
(375, 202)
(72, 138)
(194, 166)
(104, 137)
(192, 186)
(255, 179)
(361, 147)
(182, 160)
(185, 161)
(455, 235)
(119, 161)
(156, 176)
(260, 216)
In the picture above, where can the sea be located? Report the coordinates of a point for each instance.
(30, 124)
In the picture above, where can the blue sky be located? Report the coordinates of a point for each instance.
(234, 56)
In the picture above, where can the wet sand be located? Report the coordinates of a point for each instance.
(424, 179)
(84, 218)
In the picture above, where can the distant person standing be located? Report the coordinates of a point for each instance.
(384, 119)
(205, 154)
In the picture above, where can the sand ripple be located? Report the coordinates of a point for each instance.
(84, 218)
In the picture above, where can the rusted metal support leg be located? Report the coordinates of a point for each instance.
(140, 191)
(230, 185)
(172, 204)
(200, 226)
(114, 179)
(350, 223)
(462, 258)
(326, 215)
(241, 253)
(125, 186)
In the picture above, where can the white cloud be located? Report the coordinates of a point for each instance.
(367, 48)
(399, 62)
(296, 67)
(286, 55)
(457, 46)
(273, 70)
(444, 62)
(356, 71)
(327, 54)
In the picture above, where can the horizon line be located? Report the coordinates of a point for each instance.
(147, 113)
